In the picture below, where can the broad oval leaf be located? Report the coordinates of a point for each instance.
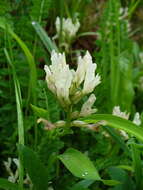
(79, 164)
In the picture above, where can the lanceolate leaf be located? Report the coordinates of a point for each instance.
(118, 123)
(40, 112)
(49, 45)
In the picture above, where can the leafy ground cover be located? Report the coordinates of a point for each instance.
(71, 93)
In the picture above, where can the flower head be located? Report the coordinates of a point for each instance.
(69, 29)
(66, 83)
(117, 112)
(86, 73)
(59, 77)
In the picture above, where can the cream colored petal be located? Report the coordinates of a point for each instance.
(80, 72)
(137, 119)
(91, 81)
(69, 29)
(49, 79)
(87, 106)
(63, 84)
(57, 24)
(117, 112)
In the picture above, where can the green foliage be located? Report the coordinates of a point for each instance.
(19, 117)
(82, 185)
(24, 50)
(49, 45)
(4, 7)
(40, 9)
(5, 184)
(116, 56)
(122, 176)
(79, 164)
(30, 59)
(36, 170)
(40, 112)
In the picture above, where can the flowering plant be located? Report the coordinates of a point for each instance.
(71, 86)
(66, 30)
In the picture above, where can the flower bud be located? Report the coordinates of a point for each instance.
(87, 107)
(137, 119)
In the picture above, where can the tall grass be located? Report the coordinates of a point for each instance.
(19, 117)
(32, 95)
(116, 56)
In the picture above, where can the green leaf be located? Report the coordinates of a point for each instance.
(122, 176)
(7, 185)
(36, 170)
(110, 182)
(79, 164)
(82, 185)
(49, 45)
(40, 112)
(118, 139)
(137, 164)
(116, 122)
(126, 167)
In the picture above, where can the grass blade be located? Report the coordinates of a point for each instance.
(19, 118)
(33, 73)
(118, 123)
(49, 45)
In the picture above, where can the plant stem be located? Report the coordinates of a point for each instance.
(68, 120)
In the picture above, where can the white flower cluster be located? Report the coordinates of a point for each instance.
(70, 86)
(119, 113)
(123, 13)
(14, 175)
(125, 115)
(69, 29)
